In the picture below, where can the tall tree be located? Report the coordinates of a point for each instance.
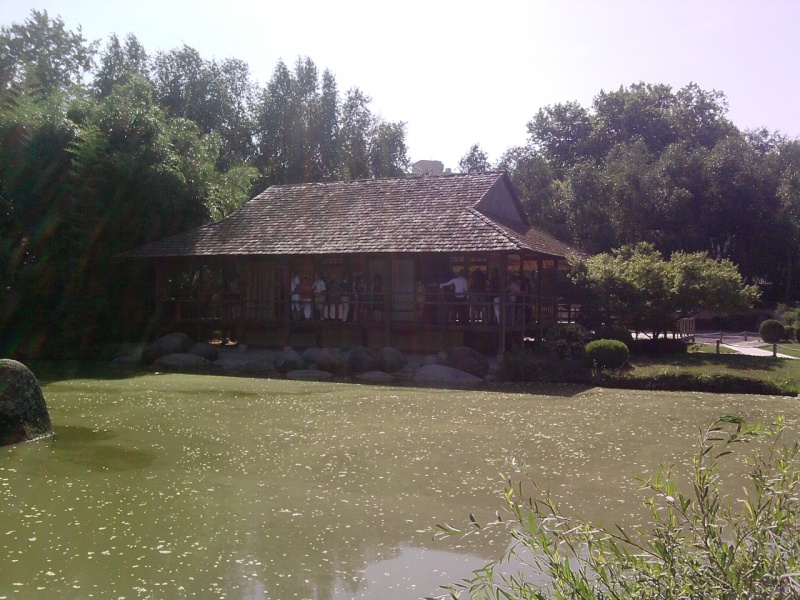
(42, 54)
(273, 131)
(357, 123)
(120, 64)
(474, 161)
(35, 135)
(387, 150)
(563, 133)
(327, 132)
(539, 190)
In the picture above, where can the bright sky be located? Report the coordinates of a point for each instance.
(461, 72)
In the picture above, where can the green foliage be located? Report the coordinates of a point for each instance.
(700, 544)
(646, 163)
(43, 56)
(614, 332)
(635, 285)
(520, 365)
(607, 354)
(789, 315)
(305, 132)
(565, 341)
(771, 331)
(150, 147)
(474, 161)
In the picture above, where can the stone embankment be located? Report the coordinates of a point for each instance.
(462, 367)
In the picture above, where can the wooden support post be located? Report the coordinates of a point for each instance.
(540, 296)
(287, 319)
(502, 293)
(243, 293)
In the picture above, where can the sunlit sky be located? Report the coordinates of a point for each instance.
(464, 72)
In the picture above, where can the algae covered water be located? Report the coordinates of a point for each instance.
(178, 486)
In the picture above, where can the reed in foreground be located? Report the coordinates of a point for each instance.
(701, 544)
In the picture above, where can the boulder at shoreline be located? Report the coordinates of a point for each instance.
(23, 411)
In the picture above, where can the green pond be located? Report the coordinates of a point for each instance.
(178, 486)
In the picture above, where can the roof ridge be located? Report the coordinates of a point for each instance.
(498, 227)
(406, 177)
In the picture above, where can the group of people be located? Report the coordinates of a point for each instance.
(471, 296)
(335, 298)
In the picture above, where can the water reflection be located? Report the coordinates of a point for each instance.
(189, 486)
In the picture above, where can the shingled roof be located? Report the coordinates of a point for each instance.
(414, 214)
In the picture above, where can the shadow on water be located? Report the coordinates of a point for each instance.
(58, 371)
(52, 371)
(84, 447)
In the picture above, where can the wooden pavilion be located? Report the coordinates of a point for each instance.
(237, 278)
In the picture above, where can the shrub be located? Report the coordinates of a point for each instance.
(790, 333)
(519, 365)
(700, 545)
(565, 341)
(607, 354)
(771, 331)
(614, 332)
(788, 314)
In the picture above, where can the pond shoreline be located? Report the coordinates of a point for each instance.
(691, 372)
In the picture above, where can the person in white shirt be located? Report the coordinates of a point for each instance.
(297, 307)
(460, 289)
(320, 300)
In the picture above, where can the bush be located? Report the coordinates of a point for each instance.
(565, 341)
(701, 545)
(790, 333)
(614, 332)
(788, 314)
(607, 354)
(771, 331)
(519, 365)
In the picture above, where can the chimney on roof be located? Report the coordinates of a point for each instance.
(428, 167)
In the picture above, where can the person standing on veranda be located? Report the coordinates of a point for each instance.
(460, 289)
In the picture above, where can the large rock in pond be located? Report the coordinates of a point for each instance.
(23, 411)
(289, 360)
(172, 343)
(361, 360)
(391, 360)
(469, 360)
(206, 350)
(441, 375)
(182, 362)
(407, 373)
(326, 359)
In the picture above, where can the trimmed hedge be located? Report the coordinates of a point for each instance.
(771, 331)
(607, 354)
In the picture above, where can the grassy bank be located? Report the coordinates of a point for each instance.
(692, 371)
(705, 372)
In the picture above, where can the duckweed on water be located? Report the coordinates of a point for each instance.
(179, 486)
